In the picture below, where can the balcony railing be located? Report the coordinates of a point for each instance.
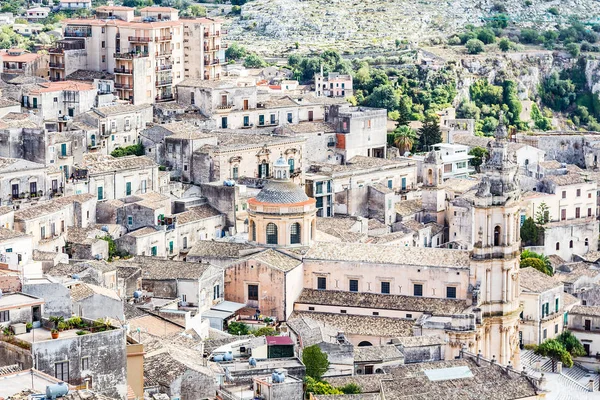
(164, 53)
(164, 67)
(140, 39)
(84, 33)
(56, 65)
(160, 99)
(123, 71)
(165, 82)
(125, 86)
(56, 50)
(129, 56)
(163, 38)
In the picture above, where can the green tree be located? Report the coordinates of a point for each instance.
(553, 11)
(316, 362)
(197, 10)
(557, 93)
(474, 46)
(539, 120)
(238, 328)
(254, 61)
(112, 247)
(542, 216)
(383, 97)
(486, 35)
(571, 344)
(530, 232)
(404, 138)
(545, 265)
(318, 387)
(265, 331)
(504, 44)
(510, 97)
(429, 133)
(553, 349)
(133, 150)
(351, 388)
(235, 51)
(468, 109)
(480, 154)
(573, 49)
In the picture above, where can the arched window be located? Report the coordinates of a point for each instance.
(365, 343)
(557, 246)
(295, 233)
(253, 231)
(430, 177)
(587, 243)
(570, 244)
(271, 233)
(93, 139)
(497, 235)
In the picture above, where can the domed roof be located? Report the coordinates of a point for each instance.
(281, 192)
(280, 162)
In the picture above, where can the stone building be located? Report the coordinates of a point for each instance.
(281, 214)
(333, 85)
(584, 322)
(93, 302)
(21, 62)
(54, 101)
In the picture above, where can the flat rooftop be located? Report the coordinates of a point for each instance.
(14, 383)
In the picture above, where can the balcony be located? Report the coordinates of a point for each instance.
(56, 65)
(140, 39)
(123, 71)
(163, 38)
(78, 33)
(56, 50)
(164, 53)
(221, 108)
(160, 99)
(165, 82)
(165, 67)
(129, 56)
(124, 86)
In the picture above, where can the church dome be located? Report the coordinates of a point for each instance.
(281, 192)
(280, 162)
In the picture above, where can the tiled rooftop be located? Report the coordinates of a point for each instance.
(51, 206)
(213, 249)
(358, 163)
(377, 353)
(535, 281)
(361, 324)
(369, 253)
(592, 311)
(6, 234)
(99, 164)
(197, 213)
(569, 273)
(81, 291)
(382, 301)
(408, 207)
(276, 259)
(159, 269)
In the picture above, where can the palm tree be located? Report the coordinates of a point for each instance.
(404, 138)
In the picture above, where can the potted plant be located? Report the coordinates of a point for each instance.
(62, 326)
(54, 333)
(29, 326)
(56, 319)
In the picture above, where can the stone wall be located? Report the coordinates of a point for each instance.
(10, 283)
(56, 296)
(422, 354)
(163, 288)
(11, 354)
(223, 198)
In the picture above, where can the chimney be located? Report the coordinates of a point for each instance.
(591, 385)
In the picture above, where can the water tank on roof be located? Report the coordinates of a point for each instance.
(57, 390)
(252, 362)
(277, 377)
(218, 358)
(104, 228)
(75, 277)
(228, 356)
(137, 294)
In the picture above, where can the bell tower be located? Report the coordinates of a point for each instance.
(496, 252)
(432, 192)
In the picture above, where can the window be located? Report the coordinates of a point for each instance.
(4, 316)
(43, 232)
(291, 164)
(289, 118)
(570, 244)
(589, 212)
(216, 292)
(353, 284)
(185, 242)
(143, 186)
(497, 236)
(103, 58)
(418, 289)
(545, 333)
(61, 371)
(557, 246)
(235, 173)
(154, 251)
(390, 183)
(130, 220)
(295, 233)
(556, 303)
(321, 283)
(85, 363)
(376, 313)
(100, 193)
(409, 316)
(271, 233)
(128, 189)
(246, 120)
(451, 292)
(586, 242)
(319, 187)
(273, 119)
(343, 311)
(578, 192)
(252, 231)
(577, 212)
(311, 309)
(461, 165)
(385, 287)
(564, 194)
(33, 188)
(587, 325)
(253, 292)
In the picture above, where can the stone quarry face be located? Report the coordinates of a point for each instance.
(274, 26)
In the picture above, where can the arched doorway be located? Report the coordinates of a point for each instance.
(497, 231)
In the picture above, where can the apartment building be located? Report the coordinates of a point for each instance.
(21, 62)
(145, 53)
(74, 4)
(455, 159)
(57, 100)
(37, 13)
(333, 84)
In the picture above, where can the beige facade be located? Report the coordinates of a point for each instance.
(145, 53)
(60, 100)
(21, 62)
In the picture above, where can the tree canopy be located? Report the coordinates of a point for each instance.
(316, 362)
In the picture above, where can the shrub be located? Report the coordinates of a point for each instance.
(265, 331)
(553, 11)
(238, 328)
(474, 46)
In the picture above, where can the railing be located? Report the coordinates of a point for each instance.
(78, 33)
(129, 56)
(164, 82)
(163, 98)
(123, 86)
(123, 71)
(14, 68)
(163, 38)
(56, 50)
(164, 67)
(165, 53)
(56, 65)
(224, 106)
(140, 39)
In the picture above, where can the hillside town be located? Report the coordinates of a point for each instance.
(182, 219)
